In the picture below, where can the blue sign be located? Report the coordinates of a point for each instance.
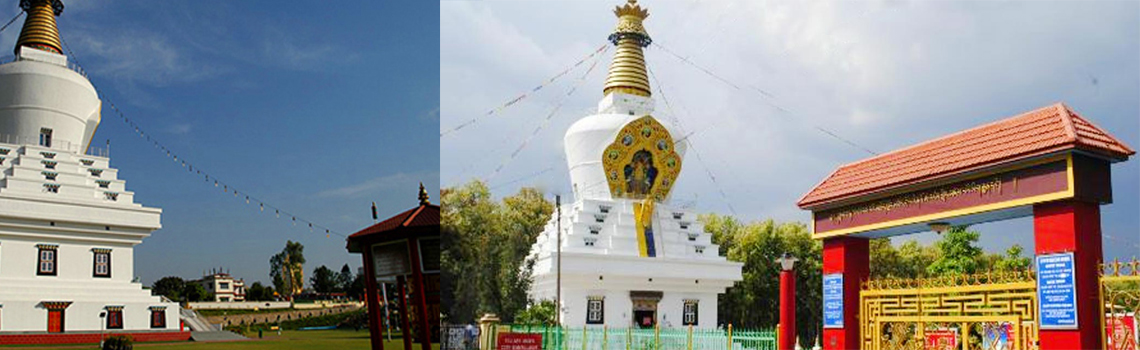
(833, 300)
(1056, 291)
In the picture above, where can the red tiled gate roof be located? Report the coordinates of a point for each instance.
(1046, 130)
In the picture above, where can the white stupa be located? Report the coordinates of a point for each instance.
(629, 259)
(68, 226)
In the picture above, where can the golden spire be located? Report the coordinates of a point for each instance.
(627, 73)
(424, 199)
(39, 30)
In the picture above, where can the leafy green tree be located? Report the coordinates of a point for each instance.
(959, 253)
(916, 257)
(541, 313)
(324, 280)
(287, 269)
(170, 286)
(1012, 260)
(344, 279)
(752, 302)
(909, 260)
(193, 292)
(255, 292)
(356, 288)
(485, 245)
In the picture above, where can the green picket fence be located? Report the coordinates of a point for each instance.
(604, 338)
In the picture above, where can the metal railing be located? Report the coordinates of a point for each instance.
(59, 145)
(75, 67)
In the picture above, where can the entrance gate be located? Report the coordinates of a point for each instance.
(987, 311)
(1050, 164)
(1120, 304)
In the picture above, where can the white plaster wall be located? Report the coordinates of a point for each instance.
(619, 307)
(75, 261)
(41, 94)
(30, 316)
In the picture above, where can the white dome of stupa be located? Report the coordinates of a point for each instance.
(44, 102)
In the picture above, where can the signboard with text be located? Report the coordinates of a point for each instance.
(519, 341)
(391, 259)
(1056, 291)
(942, 339)
(833, 300)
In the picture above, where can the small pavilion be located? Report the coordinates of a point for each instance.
(404, 249)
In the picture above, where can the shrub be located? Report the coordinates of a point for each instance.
(118, 342)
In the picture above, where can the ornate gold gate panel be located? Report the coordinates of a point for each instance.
(1120, 304)
(984, 311)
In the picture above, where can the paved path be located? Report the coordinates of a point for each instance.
(216, 336)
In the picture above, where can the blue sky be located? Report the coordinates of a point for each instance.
(883, 74)
(315, 108)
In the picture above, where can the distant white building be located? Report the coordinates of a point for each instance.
(68, 225)
(629, 258)
(223, 286)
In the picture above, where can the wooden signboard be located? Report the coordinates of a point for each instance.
(391, 259)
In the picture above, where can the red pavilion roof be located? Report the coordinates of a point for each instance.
(1046, 130)
(426, 215)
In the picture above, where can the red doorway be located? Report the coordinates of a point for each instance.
(55, 321)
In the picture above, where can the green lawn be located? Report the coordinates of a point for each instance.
(288, 340)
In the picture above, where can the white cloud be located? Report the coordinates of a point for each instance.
(179, 129)
(369, 187)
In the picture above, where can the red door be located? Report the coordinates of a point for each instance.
(55, 321)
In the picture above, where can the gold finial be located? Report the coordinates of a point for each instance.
(628, 73)
(423, 195)
(40, 30)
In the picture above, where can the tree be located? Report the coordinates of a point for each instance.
(907, 261)
(356, 288)
(195, 292)
(324, 280)
(751, 303)
(1012, 261)
(958, 253)
(344, 279)
(486, 244)
(170, 286)
(287, 269)
(541, 313)
(255, 292)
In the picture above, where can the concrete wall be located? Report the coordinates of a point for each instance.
(273, 317)
(247, 305)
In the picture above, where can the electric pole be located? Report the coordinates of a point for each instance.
(558, 286)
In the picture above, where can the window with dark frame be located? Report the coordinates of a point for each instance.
(115, 318)
(158, 318)
(102, 263)
(47, 261)
(45, 137)
(689, 314)
(595, 310)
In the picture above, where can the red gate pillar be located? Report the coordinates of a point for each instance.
(849, 256)
(1073, 226)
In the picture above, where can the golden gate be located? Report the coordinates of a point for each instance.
(983, 311)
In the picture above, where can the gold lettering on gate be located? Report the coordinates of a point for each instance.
(941, 194)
